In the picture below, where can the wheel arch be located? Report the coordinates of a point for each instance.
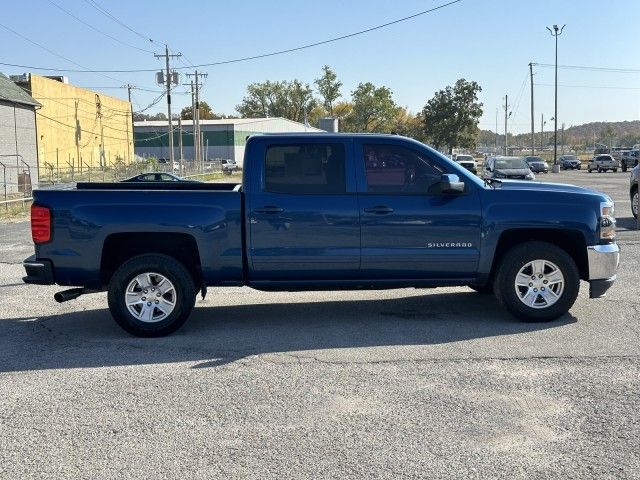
(120, 247)
(571, 241)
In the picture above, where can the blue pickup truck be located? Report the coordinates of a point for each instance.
(324, 211)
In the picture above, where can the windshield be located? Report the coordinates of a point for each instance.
(464, 158)
(534, 159)
(510, 163)
(569, 157)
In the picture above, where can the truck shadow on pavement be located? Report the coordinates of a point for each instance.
(219, 335)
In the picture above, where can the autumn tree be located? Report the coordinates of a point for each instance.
(205, 111)
(373, 109)
(288, 99)
(329, 88)
(451, 117)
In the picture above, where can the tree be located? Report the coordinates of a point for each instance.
(408, 124)
(373, 109)
(607, 135)
(293, 100)
(328, 88)
(451, 117)
(206, 113)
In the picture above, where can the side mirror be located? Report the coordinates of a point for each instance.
(450, 183)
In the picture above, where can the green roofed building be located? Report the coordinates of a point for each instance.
(221, 139)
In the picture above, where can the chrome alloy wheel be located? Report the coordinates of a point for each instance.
(539, 284)
(150, 297)
(634, 204)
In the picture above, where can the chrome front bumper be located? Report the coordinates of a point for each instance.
(603, 265)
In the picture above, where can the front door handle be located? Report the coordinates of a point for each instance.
(379, 210)
(269, 209)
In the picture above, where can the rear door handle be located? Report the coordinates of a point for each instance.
(379, 210)
(269, 209)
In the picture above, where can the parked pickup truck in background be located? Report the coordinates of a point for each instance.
(324, 211)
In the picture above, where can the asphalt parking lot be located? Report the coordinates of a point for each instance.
(376, 384)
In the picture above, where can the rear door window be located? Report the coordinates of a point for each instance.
(308, 168)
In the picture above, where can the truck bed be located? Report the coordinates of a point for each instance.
(219, 187)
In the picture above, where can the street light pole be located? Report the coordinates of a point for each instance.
(556, 32)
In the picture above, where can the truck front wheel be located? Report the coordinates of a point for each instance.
(537, 281)
(151, 295)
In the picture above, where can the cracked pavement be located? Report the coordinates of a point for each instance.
(375, 384)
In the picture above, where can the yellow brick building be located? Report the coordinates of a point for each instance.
(78, 129)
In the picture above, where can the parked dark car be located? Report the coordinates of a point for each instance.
(537, 164)
(158, 177)
(468, 162)
(633, 189)
(514, 168)
(629, 159)
(570, 162)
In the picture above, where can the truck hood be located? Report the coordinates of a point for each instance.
(544, 187)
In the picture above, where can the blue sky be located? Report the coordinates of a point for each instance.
(488, 41)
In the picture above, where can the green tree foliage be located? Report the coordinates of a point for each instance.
(293, 100)
(206, 112)
(451, 117)
(373, 110)
(329, 88)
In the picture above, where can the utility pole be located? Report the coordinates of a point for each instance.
(562, 138)
(495, 149)
(180, 143)
(556, 33)
(129, 87)
(169, 80)
(542, 131)
(195, 106)
(507, 114)
(533, 148)
(193, 122)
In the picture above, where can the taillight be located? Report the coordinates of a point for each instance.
(40, 224)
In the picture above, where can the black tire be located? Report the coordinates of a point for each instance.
(634, 192)
(519, 256)
(171, 269)
(588, 170)
(615, 170)
(483, 289)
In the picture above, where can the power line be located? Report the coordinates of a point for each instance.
(588, 86)
(96, 29)
(102, 10)
(54, 54)
(74, 127)
(593, 69)
(253, 57)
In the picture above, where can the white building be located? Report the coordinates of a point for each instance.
(224, 139)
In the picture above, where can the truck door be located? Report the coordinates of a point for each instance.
(409, 228)
(302, 211)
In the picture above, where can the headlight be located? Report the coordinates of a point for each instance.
(607, 221)
(530, 176)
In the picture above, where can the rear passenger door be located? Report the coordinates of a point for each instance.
(303, 211)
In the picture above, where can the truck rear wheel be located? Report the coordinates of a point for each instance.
(151, 295)
(537, 281)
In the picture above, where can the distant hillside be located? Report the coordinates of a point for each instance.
(620, 134)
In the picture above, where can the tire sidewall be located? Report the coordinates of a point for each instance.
(517, 258)
(174, 271)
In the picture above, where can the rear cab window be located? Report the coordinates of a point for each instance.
(305, 168)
